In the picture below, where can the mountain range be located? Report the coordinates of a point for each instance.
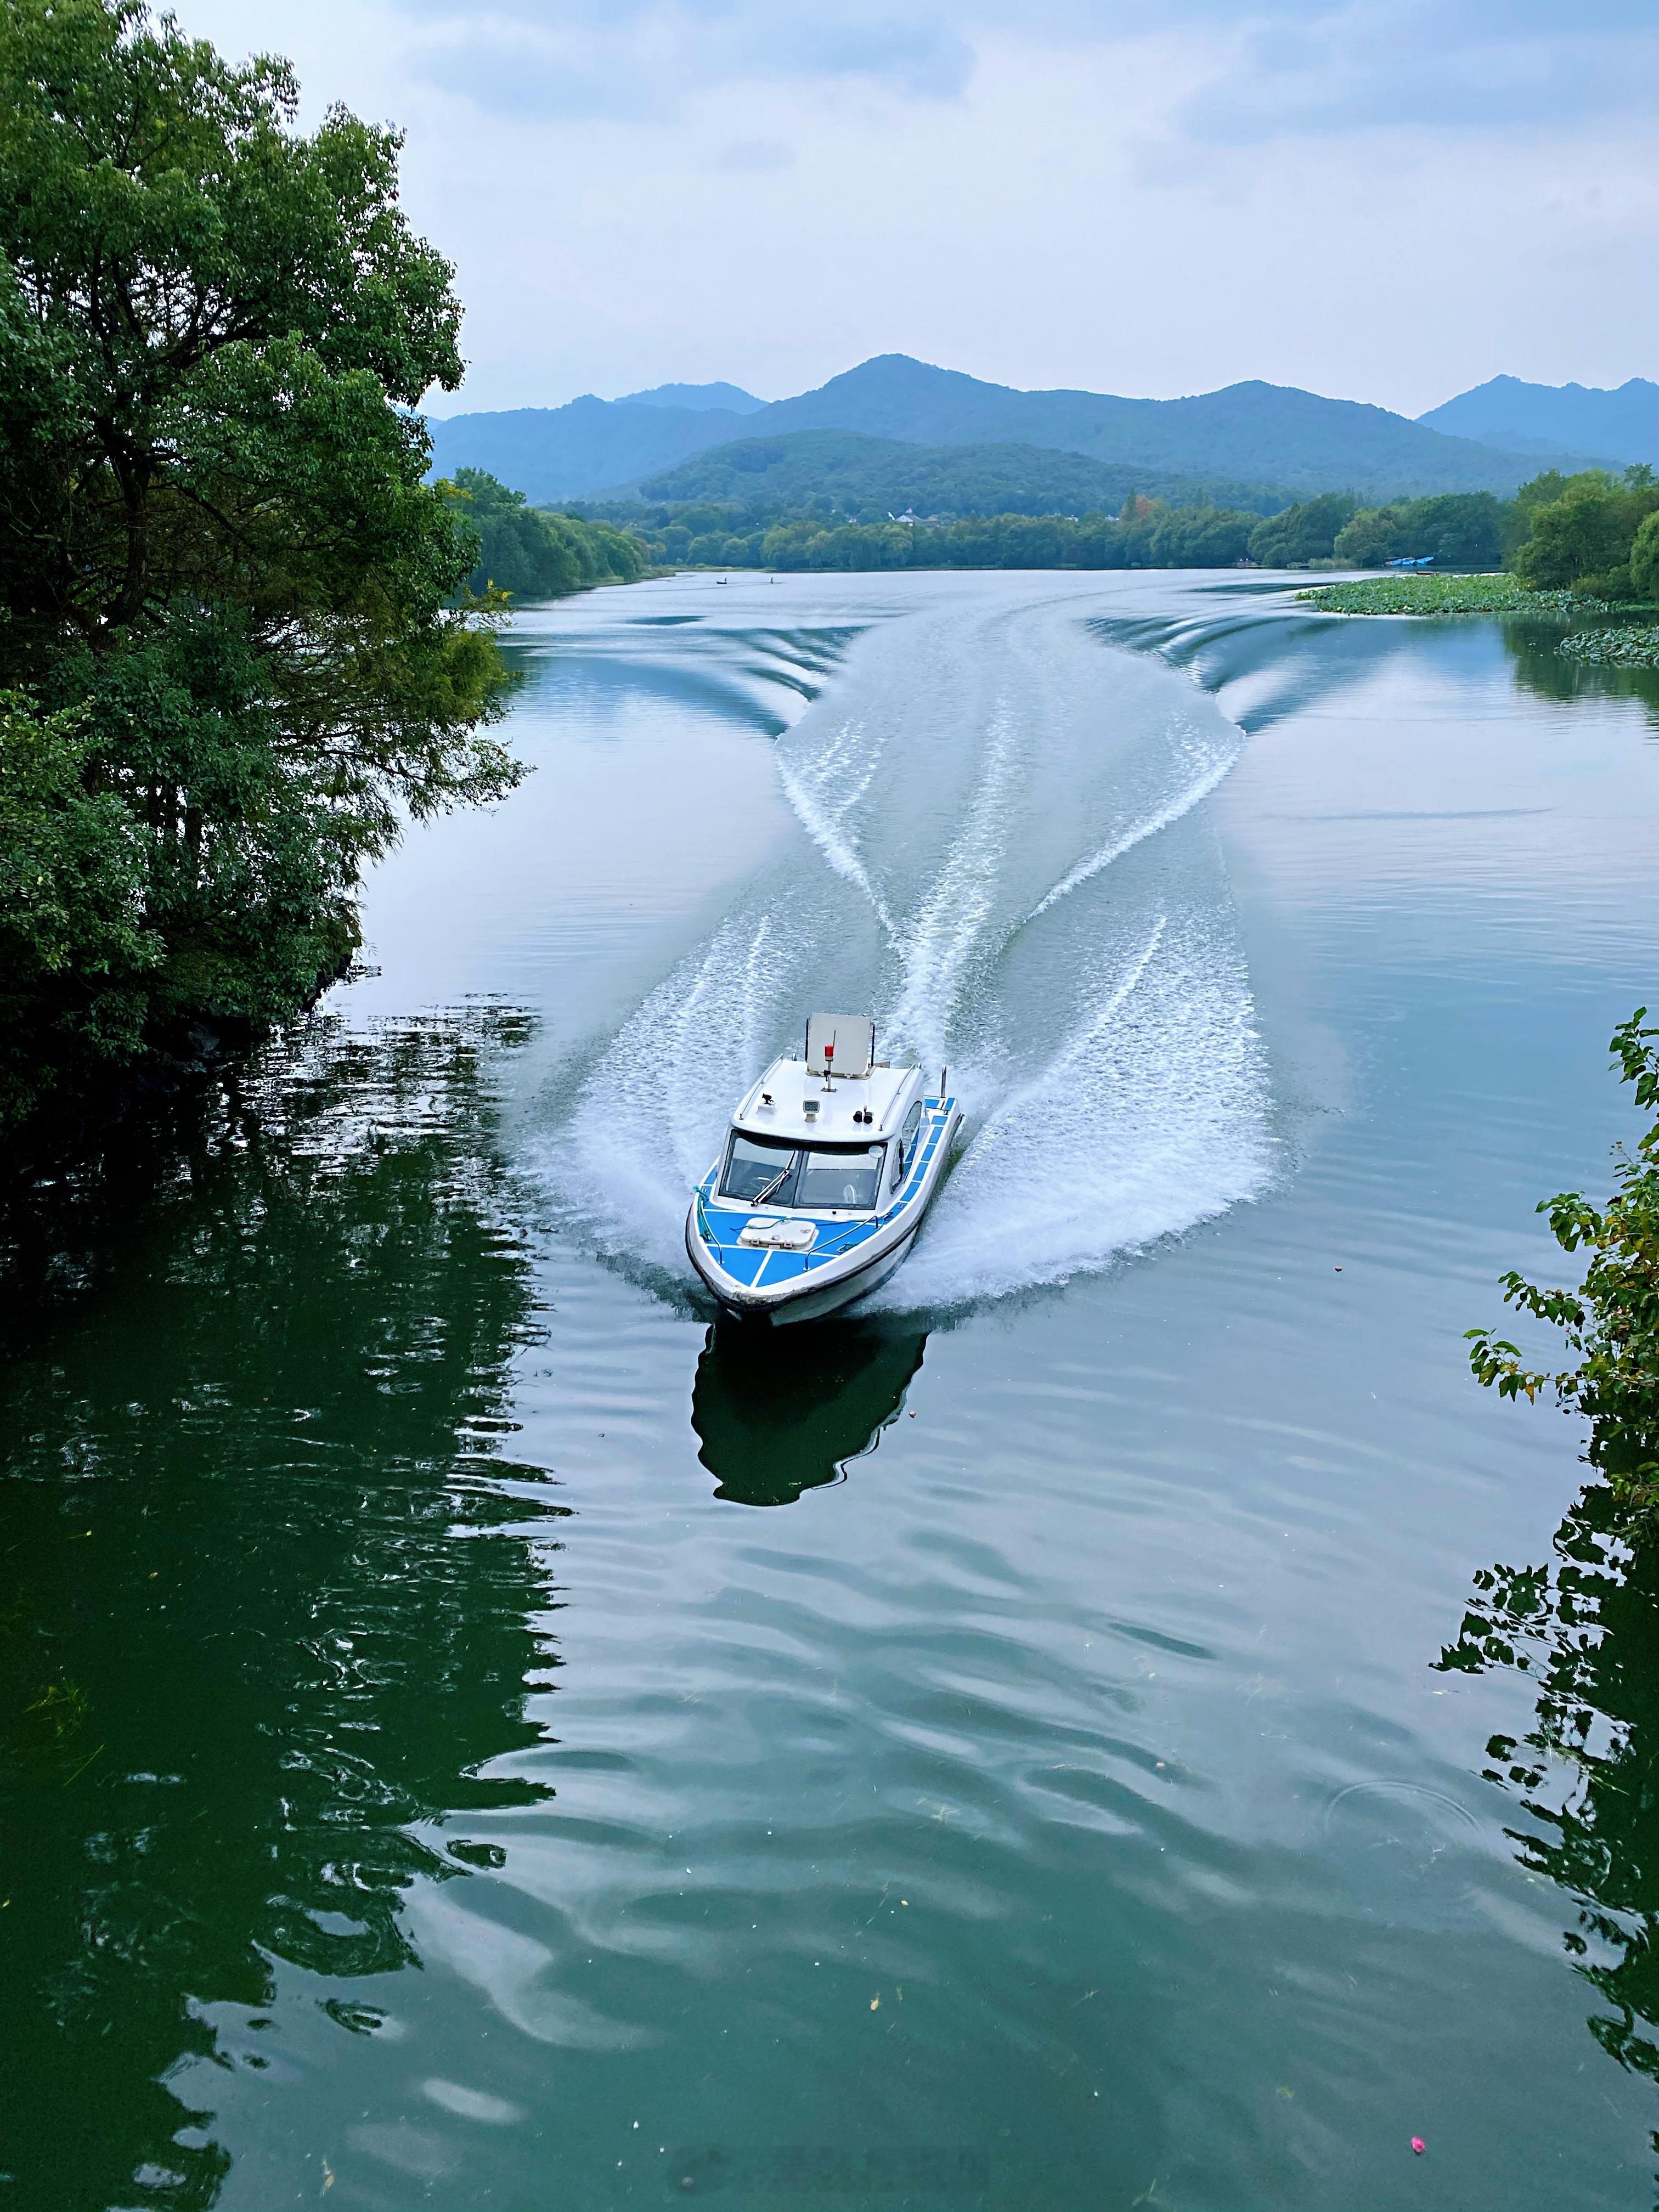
(699, 397)
(1255, 434)
(1623, 423)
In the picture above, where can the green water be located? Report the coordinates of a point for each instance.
(477, 1734)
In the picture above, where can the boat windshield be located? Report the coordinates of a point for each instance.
(771, 1171)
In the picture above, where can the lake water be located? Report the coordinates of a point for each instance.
(480, 1736)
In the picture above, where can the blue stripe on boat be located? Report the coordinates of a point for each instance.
(722, 1232)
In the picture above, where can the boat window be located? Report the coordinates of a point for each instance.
(906, 1143)
(771, 1171)
(756, 1163)
(846, 1176)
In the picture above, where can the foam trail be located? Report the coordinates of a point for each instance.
(1089, 1035)
(626, 1155)
(1171, 812)
(807, 787)
(942, 934)
(1152, 1116)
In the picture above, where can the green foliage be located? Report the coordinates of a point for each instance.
(1545, 489)
(1587, 532)
(1304, 532)
(1610, 1324)
(1565, 602)
(1614, 648)
(847, 477)
(75, 951)
(1558, 531)
(1644, 559)
(216, 546)
(1201, 538)
(1373, 537)
(1460, 530)
(1146, 535)
(1422, 595)
(528, 553)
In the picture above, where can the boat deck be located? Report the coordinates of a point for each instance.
(722, 1226)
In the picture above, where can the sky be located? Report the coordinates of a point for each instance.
(1385, 202)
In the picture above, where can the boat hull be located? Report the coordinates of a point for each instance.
(804, 1305)
(851, 1258)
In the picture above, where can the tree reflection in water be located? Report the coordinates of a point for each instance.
(243, 1648)
(778, 1411)
(1585, 1628)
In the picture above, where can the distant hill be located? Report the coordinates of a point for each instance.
(1257, 434)
(871, 477)
(697, 397)
(570, 452)
(1264, 433)
(1579, 418)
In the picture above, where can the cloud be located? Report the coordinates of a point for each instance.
(640, 59)
(1459, 67)
(1280, 68)
(754, 153)
(1376, 201)
(508, 69)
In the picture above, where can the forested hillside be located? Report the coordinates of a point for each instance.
(867, 478)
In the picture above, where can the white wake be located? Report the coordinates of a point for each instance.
(1004, 855)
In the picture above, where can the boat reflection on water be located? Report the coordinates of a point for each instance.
(781, 1411)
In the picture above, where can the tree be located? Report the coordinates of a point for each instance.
(1586, 535)
(1306, 532)
(216, 546)
(529, 553)
(1577, 535)
(74, 951)
(1373, 538)
(1610, 1324)
(1201, 538)
(1644, 559)
(1460, 529)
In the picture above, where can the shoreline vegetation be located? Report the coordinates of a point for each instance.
(1495, 594)
(1613, 646)
(534, 552)
(1584, 544)
(239, 649)
(1608, 1324)
(1593, 536)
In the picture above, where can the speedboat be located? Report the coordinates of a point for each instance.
(828, 1170)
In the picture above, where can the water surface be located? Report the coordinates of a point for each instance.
(482, 1734)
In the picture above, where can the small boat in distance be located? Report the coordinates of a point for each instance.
(829, 1167)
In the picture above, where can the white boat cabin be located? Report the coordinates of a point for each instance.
(831, 1132)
